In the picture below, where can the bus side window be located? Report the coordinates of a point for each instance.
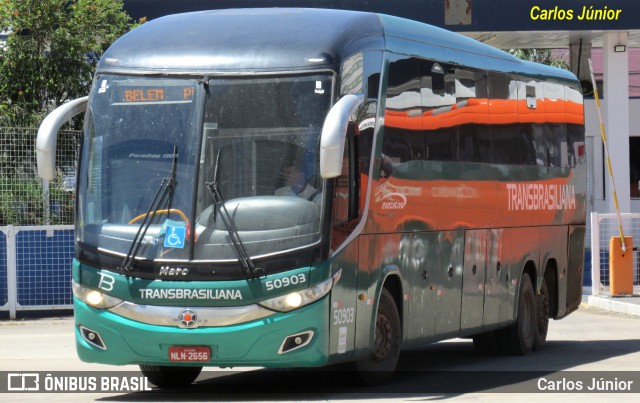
(556, 138)
(439, 126)
(341, 193)
(574, 150)
(474, 138)
(364, 144)
(556, 128)
(347, 192)
(346, 198)
(536, 135)
(403, 140)
(512, 144)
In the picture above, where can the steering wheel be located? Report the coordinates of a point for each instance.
(166, 211)
(163, 211)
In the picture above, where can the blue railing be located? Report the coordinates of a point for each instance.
(35, 268)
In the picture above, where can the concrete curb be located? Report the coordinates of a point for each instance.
(629, 307)
(48, 321)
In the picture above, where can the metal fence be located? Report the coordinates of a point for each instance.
(35, 268)
(36, 235)
(603, 227)
(23, 198)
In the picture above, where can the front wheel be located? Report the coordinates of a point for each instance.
(164, 377)
(378, 367)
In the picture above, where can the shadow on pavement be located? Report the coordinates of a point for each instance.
(447, 368)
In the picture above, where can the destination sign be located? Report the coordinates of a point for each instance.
(146, 95)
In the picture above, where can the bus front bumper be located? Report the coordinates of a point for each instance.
(108, 338)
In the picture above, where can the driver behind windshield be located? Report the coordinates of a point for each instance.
(297, 182)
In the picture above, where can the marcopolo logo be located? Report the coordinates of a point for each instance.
(188, 318)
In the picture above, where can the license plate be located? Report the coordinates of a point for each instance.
(189, 354)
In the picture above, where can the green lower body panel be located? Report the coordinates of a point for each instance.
(255, 343)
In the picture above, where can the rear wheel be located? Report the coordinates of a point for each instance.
(164, 377)
(520, 337)
(378, 367)
(542, 316)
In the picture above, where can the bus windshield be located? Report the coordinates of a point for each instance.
(155, 146)
(260, 147)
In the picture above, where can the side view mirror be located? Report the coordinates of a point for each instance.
(48, 135)
(334, 132)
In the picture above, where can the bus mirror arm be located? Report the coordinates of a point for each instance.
(334, 132)
(48, 135)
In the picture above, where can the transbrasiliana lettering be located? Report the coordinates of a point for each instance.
(539, 197)
(186, 293)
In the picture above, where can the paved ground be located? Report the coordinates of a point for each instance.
(586, 345)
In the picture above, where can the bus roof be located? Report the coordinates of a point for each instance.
(270, 39)
(285, 39)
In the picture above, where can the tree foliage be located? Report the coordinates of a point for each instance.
(543, 56)
(51, 51)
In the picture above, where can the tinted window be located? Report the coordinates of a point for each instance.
(403, 140)
(476, 116)
(474, 138)
(439, 118)
(511, 144)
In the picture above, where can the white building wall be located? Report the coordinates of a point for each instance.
(598, 174)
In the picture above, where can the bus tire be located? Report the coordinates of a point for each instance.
(164, 377)
(542, 316)
(521, 336)
(378, 367)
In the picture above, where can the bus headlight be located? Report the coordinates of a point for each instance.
(94, 297)
(298, 299)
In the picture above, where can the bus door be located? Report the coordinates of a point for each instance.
(473, 280)
(493, 287)
(418, 252)
(448, 277)
(435, 283)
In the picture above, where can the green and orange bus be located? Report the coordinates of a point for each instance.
(306, 187)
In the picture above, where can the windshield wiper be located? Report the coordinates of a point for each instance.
(167, 187)
(219, 205)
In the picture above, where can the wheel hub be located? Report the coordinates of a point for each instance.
(384, 337)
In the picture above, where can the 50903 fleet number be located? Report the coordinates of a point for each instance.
(285, 282)
(342, 316)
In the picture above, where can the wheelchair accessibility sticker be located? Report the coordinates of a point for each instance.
(174, 237)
